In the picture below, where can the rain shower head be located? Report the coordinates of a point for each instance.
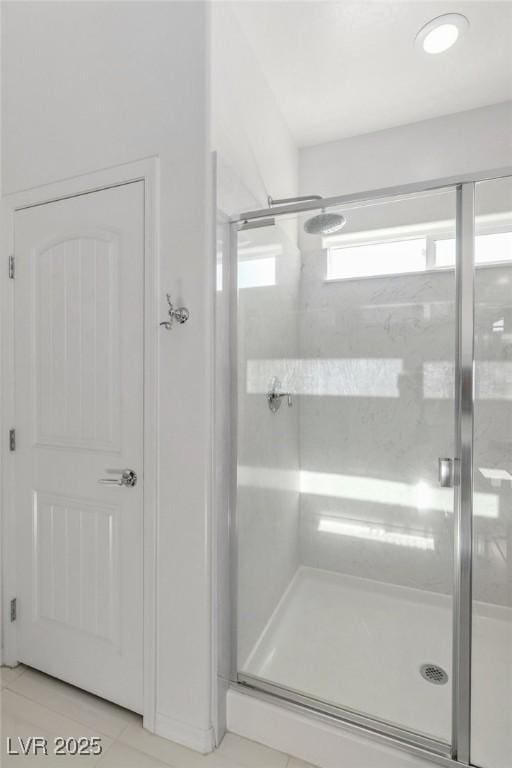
(321, 224)
(324, 224)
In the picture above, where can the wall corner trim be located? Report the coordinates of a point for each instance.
(200, 739)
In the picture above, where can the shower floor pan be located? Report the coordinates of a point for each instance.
(360, 644)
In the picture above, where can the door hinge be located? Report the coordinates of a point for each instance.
(12, 439)
(12, 266)
(14, 609)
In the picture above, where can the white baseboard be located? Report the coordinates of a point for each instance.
(187, 735)
(310, 739)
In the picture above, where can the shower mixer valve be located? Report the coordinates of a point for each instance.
(176, 314)
(275, 395)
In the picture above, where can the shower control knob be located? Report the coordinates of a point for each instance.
(275, 395)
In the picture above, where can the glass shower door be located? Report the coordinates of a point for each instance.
(491, 723)
(345, 359)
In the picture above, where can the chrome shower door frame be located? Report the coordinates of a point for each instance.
(458, 751)
(464, 420)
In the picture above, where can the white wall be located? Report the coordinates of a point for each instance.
(256, 153)
(480, 139)
(90, 85)
(256, 156)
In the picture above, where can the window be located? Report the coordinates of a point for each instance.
(413, 249)
(492, 248)
(372, 259)
(257, 265)
(256, 273)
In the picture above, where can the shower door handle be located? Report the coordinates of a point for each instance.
(447, 473)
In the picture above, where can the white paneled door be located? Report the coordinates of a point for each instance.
(79, 415)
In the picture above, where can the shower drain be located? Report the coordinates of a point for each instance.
(434, 674)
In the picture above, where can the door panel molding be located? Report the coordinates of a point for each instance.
(82, 520)
(79, 423)
(146, 170)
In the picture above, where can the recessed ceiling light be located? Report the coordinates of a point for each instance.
(441, 33)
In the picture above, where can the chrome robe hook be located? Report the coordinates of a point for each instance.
(176, 314)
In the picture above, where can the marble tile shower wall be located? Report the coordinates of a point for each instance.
(382, 432)
(268, 443)
(375, 442)
(492, 528)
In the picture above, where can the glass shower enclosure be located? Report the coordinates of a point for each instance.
(372, 485)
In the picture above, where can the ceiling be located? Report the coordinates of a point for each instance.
(341, 68)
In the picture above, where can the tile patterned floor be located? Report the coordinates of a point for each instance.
(32, 704)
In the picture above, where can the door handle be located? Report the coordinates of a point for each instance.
(128, 478)
(447, 472)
